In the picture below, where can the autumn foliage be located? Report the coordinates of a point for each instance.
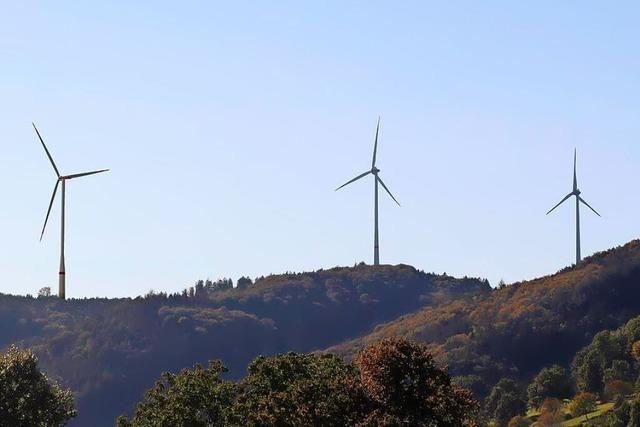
(402, 382)
(517, 330)
(392, 383)
(108, 351)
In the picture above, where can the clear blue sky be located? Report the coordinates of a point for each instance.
(227, 126)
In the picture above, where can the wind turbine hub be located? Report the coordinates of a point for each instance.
(375, 170)
(576, 192)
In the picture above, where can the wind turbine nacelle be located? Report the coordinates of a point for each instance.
(375, 171)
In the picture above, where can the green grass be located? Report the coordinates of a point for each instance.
(602, 409)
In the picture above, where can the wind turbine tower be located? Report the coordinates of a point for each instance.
(62, 179)
(377, 180)
(579, 200)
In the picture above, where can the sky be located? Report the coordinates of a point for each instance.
(228, 125)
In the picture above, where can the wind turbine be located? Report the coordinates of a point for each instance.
(579, 200)
(376, 178)
(62, 179)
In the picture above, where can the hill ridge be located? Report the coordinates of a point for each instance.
(505, 332)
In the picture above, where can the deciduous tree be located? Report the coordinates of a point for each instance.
(195, 397)
(552, 381)
(393, 383)
(404, 384)
(582, 404)
(300, 390)
(551, 414)
(505, 401)
(27, 397)
(617, 388)
(634, 412)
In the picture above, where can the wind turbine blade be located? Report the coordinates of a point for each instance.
(375, 145)
(53, 196)
(78, 175)
(561, 201)
(575, 176)
(385, 187)
(582, 200)
(47, 151)
(354, 179)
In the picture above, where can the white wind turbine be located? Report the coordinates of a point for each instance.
(62, 179)
(374, 171)
(579, 200)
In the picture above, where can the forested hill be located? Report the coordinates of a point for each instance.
(110, 350)
(516, 330)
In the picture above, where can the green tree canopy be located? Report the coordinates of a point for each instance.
(582, 404)
(505, 401)
(634, 412)
(393, 382)
(299, 390)
(553, 381)
(619, 415)
(27, 397)
(195, 397)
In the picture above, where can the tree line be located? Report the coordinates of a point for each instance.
(390, 383)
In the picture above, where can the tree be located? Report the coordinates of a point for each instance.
(582, 404)
(505, 401)
(619, 370)
(244, 283)
(551, 414)
(635, 350)
(194, 397)
(405, 387)
(27, 397)
(44, 292)
(619, 415)
(553, 381)
(617, 388)
(220, 285)
(300, 389)
(588, 372)
(634, 412)
(393, 383)
(199, 289)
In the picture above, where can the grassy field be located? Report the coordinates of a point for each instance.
(603, 408)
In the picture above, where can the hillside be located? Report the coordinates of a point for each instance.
(516, 330)
(110, 351)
